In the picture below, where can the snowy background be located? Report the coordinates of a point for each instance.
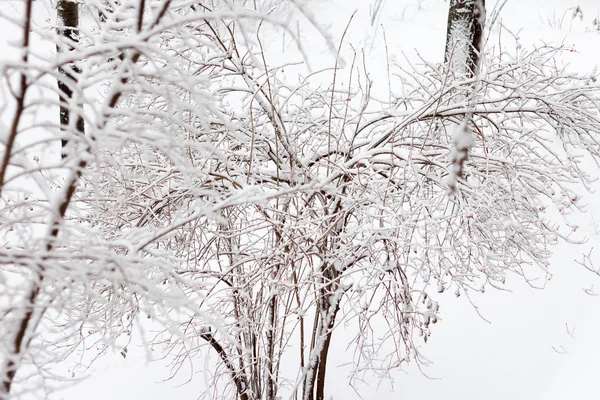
(524, 343)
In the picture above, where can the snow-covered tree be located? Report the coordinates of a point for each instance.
(251, 215)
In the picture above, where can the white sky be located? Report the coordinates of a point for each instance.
(512, 356)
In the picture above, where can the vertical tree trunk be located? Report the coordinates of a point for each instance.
(320, 383)
(67, 12)
(328, 307)
(12, 361)
(270, 333)
(466, 19)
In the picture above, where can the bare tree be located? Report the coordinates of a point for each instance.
(249, 215)
(35, 266)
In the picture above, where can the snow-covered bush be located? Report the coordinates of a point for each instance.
(252, 216)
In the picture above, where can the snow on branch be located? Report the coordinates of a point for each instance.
(216, 192)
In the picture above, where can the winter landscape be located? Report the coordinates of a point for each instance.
(299, 199)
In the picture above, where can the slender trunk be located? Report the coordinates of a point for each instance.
(466, 19)
(300, 317)
(239, 380)
(309, 378)
(320, 384)
(464, 41)
(11, 365)
(14, 129)
(68, 20)
(239, 376)
(270, 382)
(314, 382)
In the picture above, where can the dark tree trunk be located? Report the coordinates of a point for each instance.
(12, 360)
(314, 381)
(320, 383)
(68, 22)
(466, 20)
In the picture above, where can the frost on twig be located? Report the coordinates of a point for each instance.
(588, 263)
